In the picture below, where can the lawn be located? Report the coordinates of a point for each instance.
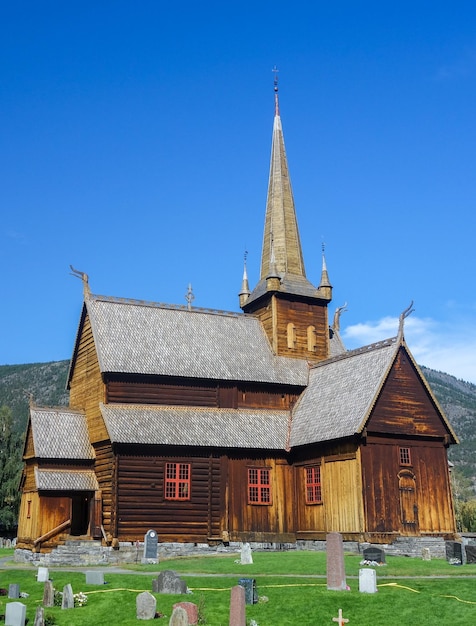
(291, 587)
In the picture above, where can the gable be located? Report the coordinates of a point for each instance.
(405, 405)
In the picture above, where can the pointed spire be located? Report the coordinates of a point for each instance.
(245, 287)
(280, 222)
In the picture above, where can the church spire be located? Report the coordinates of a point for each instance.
(280, 223)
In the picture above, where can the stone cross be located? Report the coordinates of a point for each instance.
(340, 620)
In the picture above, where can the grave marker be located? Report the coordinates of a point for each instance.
(42, 574)
(94, 578)
(191, 609)
(146, 605)
(168, 582)
(151, 545)
(179, 617)
(454, 552)
(374, 555)
(39, 616)
(13, 591)
(48, 594)
(15, 614)
(335, 562)
(68, 598)
(340, 620)
(237, 606)
(425, 554)
(246, 555)
(367, 581)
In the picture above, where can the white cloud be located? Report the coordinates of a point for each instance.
(447, 347)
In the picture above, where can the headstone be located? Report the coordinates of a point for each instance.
(246, 556)
(470, 553)
(94, 578)
(14, 591)
(179, 617)
(374, 555)
(168, 582)
(8, 543)
(39, 616)
(249, 585)
(68, 598)
(335, 562)
(42, 574)
(426, 554)
(48, 594)
(454, 552)
(146, 605)
(367, 581)
(15, 614)
(237, 606)
(191, 609)
(151, 544)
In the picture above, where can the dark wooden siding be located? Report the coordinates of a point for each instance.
(142, 505)
(405, 406)
(180, 392)
(105, 473)
(383, 489)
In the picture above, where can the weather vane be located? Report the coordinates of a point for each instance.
(189, 297)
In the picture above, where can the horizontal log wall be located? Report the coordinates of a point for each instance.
(142, 504)
(105, 473)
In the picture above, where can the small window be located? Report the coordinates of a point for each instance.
(177, 481)
(259, 486)
(313, 485)
(405, 458)
(291, 329)
(311, 338)
(28, 509)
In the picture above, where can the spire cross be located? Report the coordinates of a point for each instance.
(340, 620)
(276, 101)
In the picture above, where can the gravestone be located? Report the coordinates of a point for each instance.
(42, 574)
(179, 617)
(8, 543)
(374, 555)
(168, 582)
(95, 578)
(48, 594)
(146, 605)
(191, 609)
(237, 606)
(15, 614)
(246, 555)
(367, 581)
(68, 598)
(335, 562)
(151, 545)
(454, 552)
(39, 616)
(470, 553)
(14, 591)
(249, 585)
(425, 554)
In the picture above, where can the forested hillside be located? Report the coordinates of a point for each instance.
(45, 384)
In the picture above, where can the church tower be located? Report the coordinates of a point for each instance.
(293, 312)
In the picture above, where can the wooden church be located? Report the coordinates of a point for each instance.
(256, 426)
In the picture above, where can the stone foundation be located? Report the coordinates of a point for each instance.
(86, 553)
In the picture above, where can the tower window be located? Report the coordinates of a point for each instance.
(405, 457)
(311, 338)
(291, 336)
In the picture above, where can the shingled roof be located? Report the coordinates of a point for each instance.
(196, 426)
(341, 393)
(66, 480)
(60, 433)
(138, 337)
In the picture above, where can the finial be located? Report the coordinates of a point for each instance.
(337, 314)
(245, 288)
(84, 277)
(404, 314)
(276, 101)
(189, 297)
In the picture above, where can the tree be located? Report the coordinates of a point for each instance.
(464, 501)
(10, 471)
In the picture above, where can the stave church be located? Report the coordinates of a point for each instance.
(259, 426)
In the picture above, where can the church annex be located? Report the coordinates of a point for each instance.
(254, 426)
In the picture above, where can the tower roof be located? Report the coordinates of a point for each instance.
(282, 253)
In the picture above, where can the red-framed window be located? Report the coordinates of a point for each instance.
(313, 484)
(259, 485)
(177, 481)
(405, 456)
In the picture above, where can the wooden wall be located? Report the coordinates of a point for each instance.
(87, 389)
(105, 468)
(141, 504)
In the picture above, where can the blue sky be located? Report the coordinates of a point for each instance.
(135, 143)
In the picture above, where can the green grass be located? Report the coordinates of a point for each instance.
(292, 583)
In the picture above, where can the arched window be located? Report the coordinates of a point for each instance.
(291, 336)
(311, 338)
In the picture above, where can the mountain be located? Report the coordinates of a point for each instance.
(46, 383)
